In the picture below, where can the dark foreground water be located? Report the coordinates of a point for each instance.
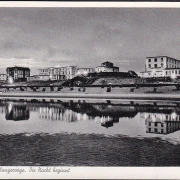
(89, 133)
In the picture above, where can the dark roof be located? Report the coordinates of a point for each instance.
(162, 56)
(156, 56)
(107, 62)
(108, 67)
(18, 67)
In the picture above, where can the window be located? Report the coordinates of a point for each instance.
(162, 131)
(149, 66)
(162, 125)
(155, 65)
(161, 59)
(155, 130)
(155, 124)
(176, 72)
(161, 64)
(149, 129)
(149, 124)
(155, 60)
(166, 73)
(149, 60)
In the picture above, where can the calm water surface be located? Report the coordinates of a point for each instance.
(89, 133)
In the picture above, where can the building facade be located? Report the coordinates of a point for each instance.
(3, 77)
(59, 73)
(107, 67)
(161, 66)
(18, 74)
(84, 71)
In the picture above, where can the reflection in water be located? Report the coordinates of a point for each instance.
(69, 133)
(162, 123)
(16, 111)
(159, 118)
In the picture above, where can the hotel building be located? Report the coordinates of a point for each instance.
(18, 74)
(161, 66)
(59, 73)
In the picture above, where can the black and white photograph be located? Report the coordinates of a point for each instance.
(89, 87)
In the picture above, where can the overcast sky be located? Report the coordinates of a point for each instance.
(86, 37)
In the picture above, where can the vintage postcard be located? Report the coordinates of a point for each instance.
(89, 90)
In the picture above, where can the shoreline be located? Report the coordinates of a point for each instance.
(40, 95)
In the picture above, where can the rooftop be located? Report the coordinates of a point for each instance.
(162, 56)
(18, 67)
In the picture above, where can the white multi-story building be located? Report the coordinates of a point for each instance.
(161, 66)
(3, 77)
(84, 71)
(56, 73)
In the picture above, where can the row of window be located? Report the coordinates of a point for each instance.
(155, 65)
(156, 123)
(155, 60)
(173, 72)
(168, 66)
(168, 60)
(52, 70)
(167, 118)
(155, 130)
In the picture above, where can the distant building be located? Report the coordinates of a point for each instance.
(3, 77)
(18, 74)
(84, 71)
(107, 67)
(57, 73)
(38, 78)
(161, 66)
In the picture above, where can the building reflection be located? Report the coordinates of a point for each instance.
(102, 113)
(159, 123)
(16, 111)
(57, 113)
(159, 119)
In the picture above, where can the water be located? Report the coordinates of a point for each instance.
(62, 132)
